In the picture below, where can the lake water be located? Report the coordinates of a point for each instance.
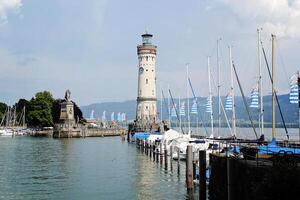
(90, 168)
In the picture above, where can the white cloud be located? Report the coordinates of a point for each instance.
(281, 17)
(7, 6)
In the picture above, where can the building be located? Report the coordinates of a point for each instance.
(146, 111)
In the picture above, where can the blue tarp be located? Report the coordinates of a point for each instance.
(143, 135)
(273, 148)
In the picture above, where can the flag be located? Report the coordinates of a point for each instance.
(209, 105)
(229, 102)
(119, 117)
(112, 116)
(104, 115)
(294, 96)
(123, 117)
(92, 114)
(173, 111)
(182, 109)
(194, 109)
(254, 97)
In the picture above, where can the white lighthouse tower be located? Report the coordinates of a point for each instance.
(146, 112)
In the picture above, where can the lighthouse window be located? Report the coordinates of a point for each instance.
(146, 81)
(152, 58)
(146, 58)
(146, 70)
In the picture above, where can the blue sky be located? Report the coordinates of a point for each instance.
(89, 46)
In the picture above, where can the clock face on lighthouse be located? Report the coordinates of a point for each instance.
(141, 70)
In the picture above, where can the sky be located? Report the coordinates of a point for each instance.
(89, 46)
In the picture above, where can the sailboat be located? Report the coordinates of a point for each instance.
(267, 151)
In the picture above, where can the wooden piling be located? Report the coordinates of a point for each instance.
(171, 153)
(189, 167)
(161, 151)
(178, 159)
(166, 156)
(231, 165)
(202, 175)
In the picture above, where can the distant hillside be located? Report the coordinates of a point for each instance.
(290, 111)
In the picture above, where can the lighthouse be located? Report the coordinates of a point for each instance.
(146, 111)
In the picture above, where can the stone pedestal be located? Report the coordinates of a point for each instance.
(67, 127)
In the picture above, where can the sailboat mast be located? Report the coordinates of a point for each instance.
(219, 93)
(232, 94)
(188, 100)
(24, 112)
(161, 106)
(169, 112)
(261, 104)
(273, 86)
(179, 106)
(210, 98)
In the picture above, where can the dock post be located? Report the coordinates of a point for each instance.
(156, 151)
(150, 148)
(171, 153)
(178, 159)
(202, 174)
(189, 167)
(160, 152)
(153, 149)
(166, 156)
(128, 136)
(231, 167)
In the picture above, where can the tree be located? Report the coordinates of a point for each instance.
(3, 108)
(40, 113)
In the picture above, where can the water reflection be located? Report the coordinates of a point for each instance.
(90, 168)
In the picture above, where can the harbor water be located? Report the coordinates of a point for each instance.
(90, 168)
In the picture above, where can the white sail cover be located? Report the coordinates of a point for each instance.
(254, 97)
(229, 102)
(194, 109)
(294, 94)
(182, 109)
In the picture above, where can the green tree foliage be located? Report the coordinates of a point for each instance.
(42, 110)
(3, 108)
(40, 113)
